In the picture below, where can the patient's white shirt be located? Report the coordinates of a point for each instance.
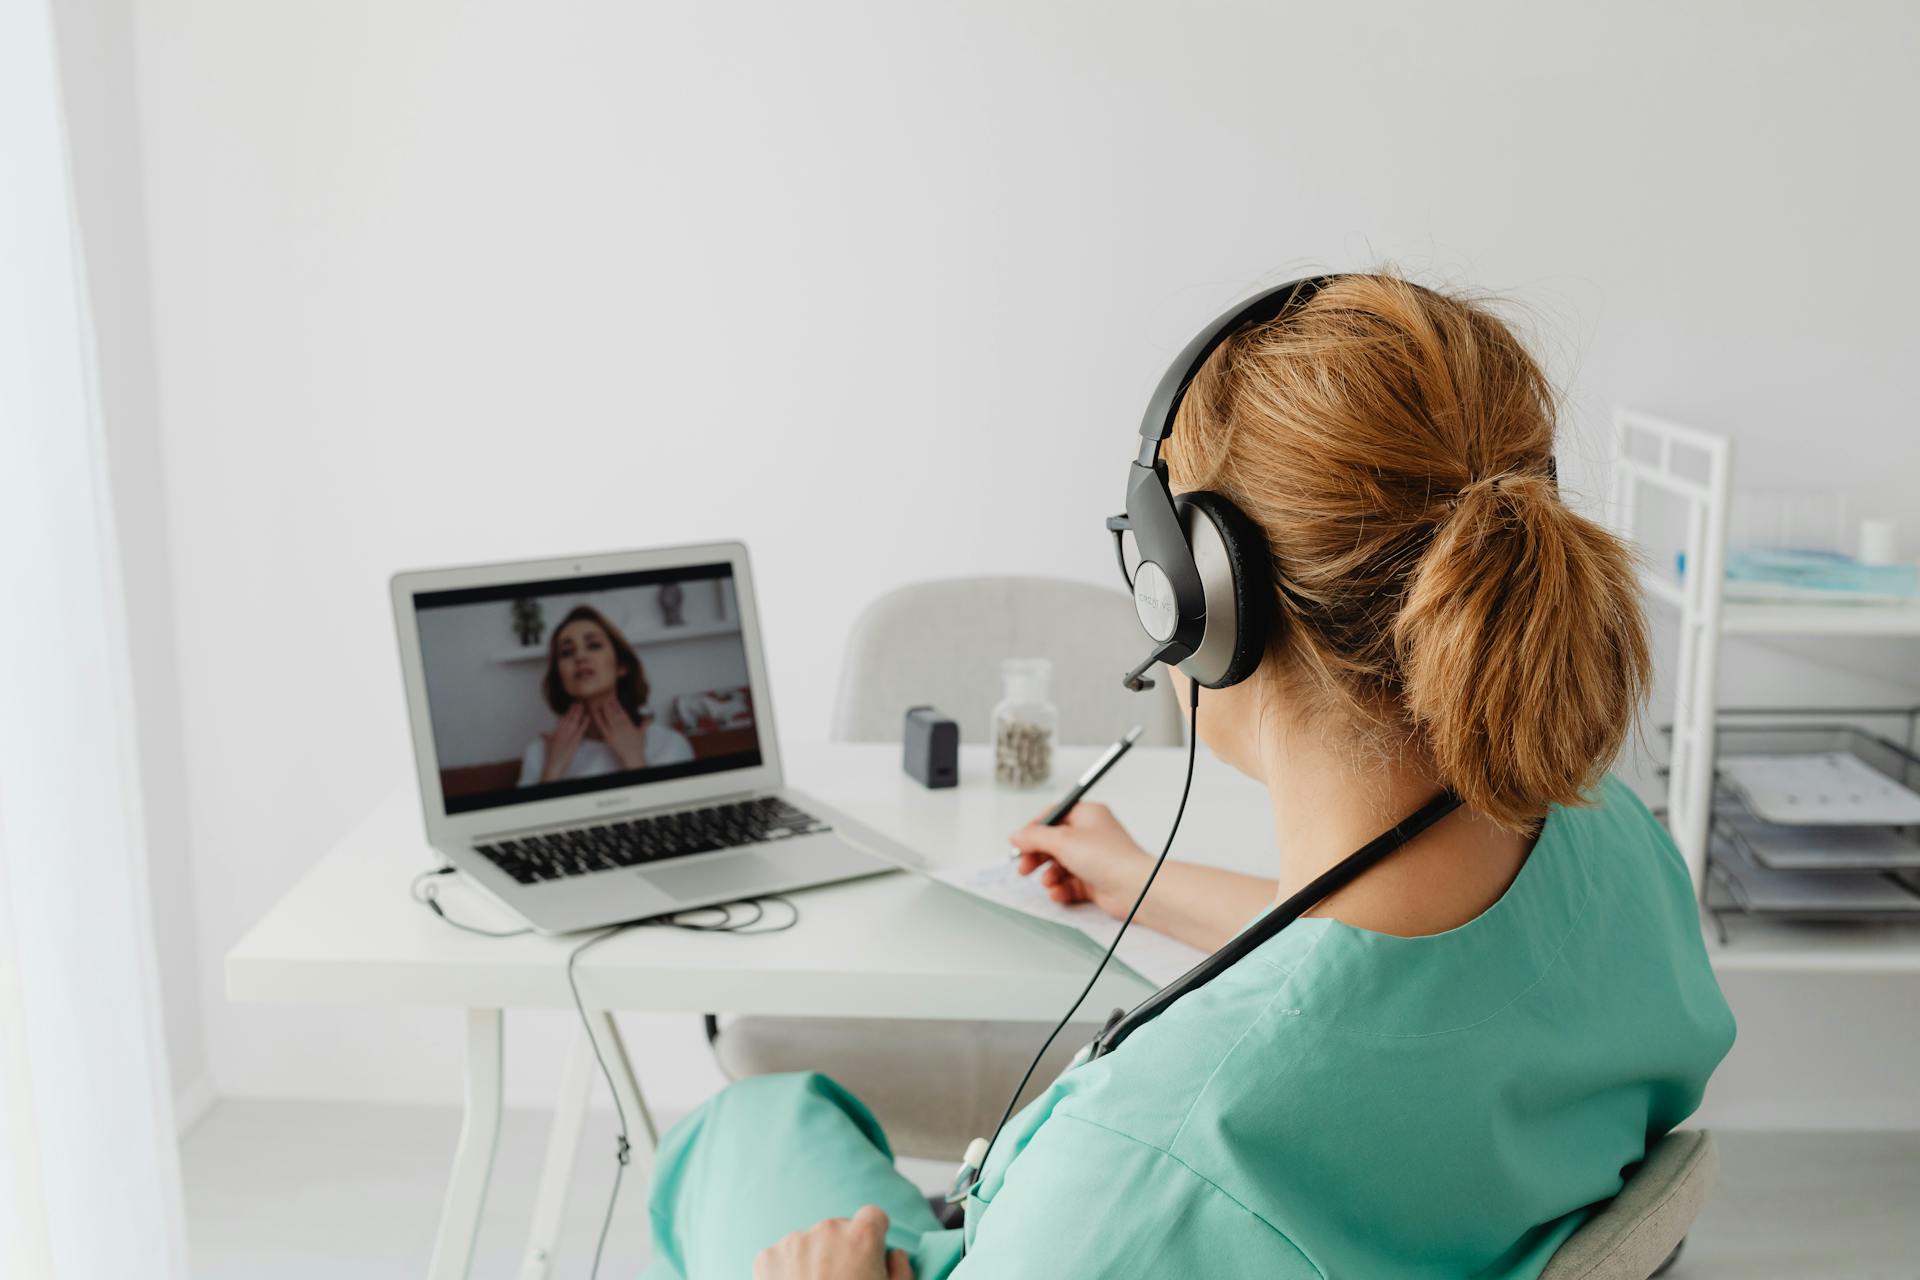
(593, 757)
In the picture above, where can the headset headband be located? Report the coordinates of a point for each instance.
(1168, 592)
(1271, 304)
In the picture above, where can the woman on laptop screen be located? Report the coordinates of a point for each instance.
(597, 686)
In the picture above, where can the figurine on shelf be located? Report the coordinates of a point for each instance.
(528, 624)
(672, 602)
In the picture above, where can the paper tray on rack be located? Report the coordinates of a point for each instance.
(1821, 849)
(1819, 788)
(1738, 883)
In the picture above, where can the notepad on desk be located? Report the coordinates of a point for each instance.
(1151, 954)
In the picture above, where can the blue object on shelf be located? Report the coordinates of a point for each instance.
(1823, 571)
(1813, 575)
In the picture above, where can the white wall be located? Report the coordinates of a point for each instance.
(881, 289)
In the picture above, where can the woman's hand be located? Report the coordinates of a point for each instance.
(563, 742)
(627, 740)
(1088, 858)
(837, 1249)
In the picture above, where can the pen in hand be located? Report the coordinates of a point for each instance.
(1058, 814)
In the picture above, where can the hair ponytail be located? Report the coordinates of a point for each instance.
(1395, 444)
(1522, 649)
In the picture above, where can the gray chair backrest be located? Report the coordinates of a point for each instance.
(1636, 1234)
(941, 643)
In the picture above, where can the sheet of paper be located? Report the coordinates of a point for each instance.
(1154, 956)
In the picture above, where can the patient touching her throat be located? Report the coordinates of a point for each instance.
(597, 686)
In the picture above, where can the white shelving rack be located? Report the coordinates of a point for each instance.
(1692, 471)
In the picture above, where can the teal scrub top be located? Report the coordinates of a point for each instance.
(1347, 1103)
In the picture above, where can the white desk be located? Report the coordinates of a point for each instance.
(890, 946)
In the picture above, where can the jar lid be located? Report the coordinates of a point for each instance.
(1026, 677)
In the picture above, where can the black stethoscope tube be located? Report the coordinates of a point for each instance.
(1323, 886)
(1123, 1023)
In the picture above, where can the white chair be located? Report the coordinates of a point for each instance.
(933, 1083)
(941, 643)
(936, 1084)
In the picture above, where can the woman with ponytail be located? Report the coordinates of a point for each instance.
(1440, 1069)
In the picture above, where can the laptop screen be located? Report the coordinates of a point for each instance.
(544, 689)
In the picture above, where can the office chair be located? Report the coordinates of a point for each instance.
(1635, 1236)
(1638, 1233)
(942, 642)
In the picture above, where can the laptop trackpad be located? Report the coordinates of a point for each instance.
(714, 878)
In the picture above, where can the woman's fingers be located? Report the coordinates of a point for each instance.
(1056, 878)
(1038, 838)
(1043, 847)
(1052, 870)
(899, 1265)
(1062, 885)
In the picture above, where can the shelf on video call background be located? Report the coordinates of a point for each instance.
(638, 639)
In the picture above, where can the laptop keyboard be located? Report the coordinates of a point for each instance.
(580, 851)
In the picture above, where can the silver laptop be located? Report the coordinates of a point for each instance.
(595, 738)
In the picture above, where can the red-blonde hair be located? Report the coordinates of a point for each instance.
(1396, 446)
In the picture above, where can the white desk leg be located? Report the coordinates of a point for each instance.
(563, 1144)
(473, 1159)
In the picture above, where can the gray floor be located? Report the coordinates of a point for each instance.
(288, 1191)
(1835, 1206)
(318, 1191)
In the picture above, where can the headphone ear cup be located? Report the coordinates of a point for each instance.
(1239, 587)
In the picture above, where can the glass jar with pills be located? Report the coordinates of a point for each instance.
(1024, 724)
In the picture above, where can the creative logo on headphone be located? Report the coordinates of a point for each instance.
(1153, 600)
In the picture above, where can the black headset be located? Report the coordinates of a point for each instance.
(1197, 565)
